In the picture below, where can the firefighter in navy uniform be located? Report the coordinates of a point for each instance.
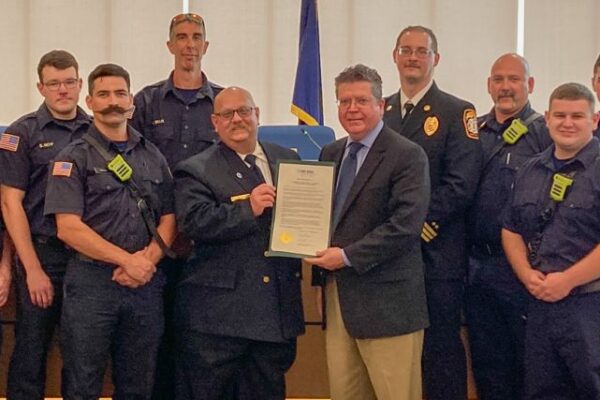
(112, 195)
(551, 238)
(175, 115)
(446, 127)
(511, 133)
(26, 149)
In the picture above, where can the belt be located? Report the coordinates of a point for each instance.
(488, 249)
(590, 287)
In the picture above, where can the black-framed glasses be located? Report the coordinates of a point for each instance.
(243, 112)
(55, 85)
(419, 52)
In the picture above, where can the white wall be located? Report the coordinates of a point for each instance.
(253, 43)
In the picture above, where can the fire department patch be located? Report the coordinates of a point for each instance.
(470, 122)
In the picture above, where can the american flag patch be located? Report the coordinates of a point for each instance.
(9, 142)
(62, 168)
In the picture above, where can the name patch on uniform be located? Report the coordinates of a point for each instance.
(62, 168)
(46, 145)
(9, 142)
(158, 122)
(470, 122)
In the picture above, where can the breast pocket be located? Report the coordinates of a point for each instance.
(102, 182)
(162, 133)
(578, 208)
(152, 182)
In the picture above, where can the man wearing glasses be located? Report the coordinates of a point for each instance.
(446, 128)
(26, 149)
(175, 115)
(237, 312)
(373, 272)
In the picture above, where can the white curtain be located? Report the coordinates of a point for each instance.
(254, 43)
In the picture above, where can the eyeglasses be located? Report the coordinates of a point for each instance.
(195, 18)
(243, 112)
(55, 85)
(359, 101)
(419, 52)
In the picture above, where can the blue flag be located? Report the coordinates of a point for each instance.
(307, 103)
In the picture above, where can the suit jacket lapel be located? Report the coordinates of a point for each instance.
(367, 169)
(393, 111)
(238, 170)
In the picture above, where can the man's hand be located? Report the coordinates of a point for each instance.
(532, 279)
(261, 197)
(40, 287)
(330, 259)
(139, 267)
(123, 279)
(556, 286)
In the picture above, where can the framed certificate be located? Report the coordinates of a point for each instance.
(302, 213)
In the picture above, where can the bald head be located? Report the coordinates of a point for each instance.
(509, 85)
(232, 91)
(235, 118)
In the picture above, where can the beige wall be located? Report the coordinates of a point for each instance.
(253, 43)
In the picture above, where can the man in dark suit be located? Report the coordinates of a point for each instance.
(373, 271)
(237, 312)
(446, 128)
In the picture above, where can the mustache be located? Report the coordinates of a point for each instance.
(113, 108)
(128, 112)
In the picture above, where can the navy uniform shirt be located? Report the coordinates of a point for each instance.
(498, 173)
(80, 184)
(180, 127)
(574, 229)
(36, 139)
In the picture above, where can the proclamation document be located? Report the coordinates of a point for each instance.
(302, 214)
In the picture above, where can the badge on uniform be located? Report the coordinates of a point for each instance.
(470, 122)
(62, 168)
(9, 142)
(431, 125)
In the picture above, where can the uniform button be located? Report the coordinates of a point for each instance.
(185, 127)
(297, 274)
(187, 107)
(266, 279)
(185, 145)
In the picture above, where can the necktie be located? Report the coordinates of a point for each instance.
(251, 159)
(345, 179)
(408, 106)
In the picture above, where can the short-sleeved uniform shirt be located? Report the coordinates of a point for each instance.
(29, 146)
(574, 229)
(499, 170)
(81, 184)
(180, 126)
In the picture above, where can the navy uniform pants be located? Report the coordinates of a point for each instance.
(102, 319)
(495, 308)
(562, 349)
(35, 326)
(213, 367)
(164, 384)
(444, 361)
